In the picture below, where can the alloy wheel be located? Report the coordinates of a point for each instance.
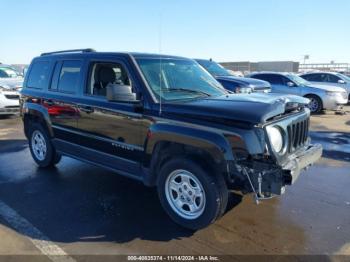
(39, 145)
(185, 194)
(313, 105)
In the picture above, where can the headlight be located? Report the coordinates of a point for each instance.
(333, 93)
(275, 137)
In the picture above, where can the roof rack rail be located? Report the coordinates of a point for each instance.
(86, 50)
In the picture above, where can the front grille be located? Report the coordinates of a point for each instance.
(297, 134)
(15, 107)
(12, 96)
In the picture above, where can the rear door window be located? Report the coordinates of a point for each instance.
(69, 77)
(262, 77)
(39, 75)
(313, 77)
(307, 77)
(271, 78)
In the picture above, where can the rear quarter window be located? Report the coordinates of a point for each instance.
(39, 74)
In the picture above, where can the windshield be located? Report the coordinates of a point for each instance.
(298, 80)
(178, 79)
(213, 68)
(7, 72)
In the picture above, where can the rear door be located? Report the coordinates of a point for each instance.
(61, 97)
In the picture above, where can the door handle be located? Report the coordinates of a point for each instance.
(50, 102)
(86, 109)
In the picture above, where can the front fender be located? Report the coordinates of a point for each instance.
(213, 143)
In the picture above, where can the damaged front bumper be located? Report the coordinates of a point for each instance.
(300, 161)
(266, 179)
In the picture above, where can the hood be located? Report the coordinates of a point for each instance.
(254, 83)
(11, 83)
(327, 87)
(253, 108)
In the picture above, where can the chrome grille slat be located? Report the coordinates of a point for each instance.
(297, 133)
(289, 133)
(301, 139)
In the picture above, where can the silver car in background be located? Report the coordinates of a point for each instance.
(10, 85)
(329, 78)
(321, 96)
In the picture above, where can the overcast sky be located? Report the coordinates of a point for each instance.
(232, 30)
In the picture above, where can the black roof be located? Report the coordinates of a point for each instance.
(88, 52)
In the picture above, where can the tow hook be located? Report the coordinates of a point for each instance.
(258, 196)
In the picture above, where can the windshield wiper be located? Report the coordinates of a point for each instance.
(187, 90)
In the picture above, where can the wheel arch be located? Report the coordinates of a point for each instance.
(38, 114)
(208, 149)
(315, 95)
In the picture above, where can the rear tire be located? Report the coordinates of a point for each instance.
(192, 197)
(315, 104)
(41, 148)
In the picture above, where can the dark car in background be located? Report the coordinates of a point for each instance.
(233, 83)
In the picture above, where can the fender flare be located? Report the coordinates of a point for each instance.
(213, 143)
(39, 111)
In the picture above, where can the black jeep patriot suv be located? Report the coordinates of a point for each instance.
(165, 121)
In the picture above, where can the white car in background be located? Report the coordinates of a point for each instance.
(10, 85)
(321, 96)
(329, 78)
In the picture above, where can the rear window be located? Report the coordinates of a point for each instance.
(39, 75)
(69, 77)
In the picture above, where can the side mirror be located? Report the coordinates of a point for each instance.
(120, 93)
(290, 84)
(340, 81)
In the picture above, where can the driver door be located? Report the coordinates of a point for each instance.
(111, 129)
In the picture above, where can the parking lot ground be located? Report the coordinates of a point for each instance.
(80, 209)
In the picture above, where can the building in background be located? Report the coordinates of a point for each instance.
(275, 66)
(240, 66)
(335, 67)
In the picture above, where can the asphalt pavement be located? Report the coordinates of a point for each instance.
(79, 209)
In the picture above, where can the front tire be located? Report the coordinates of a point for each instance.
(41, 148)
(315, 104)
(192, 197)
